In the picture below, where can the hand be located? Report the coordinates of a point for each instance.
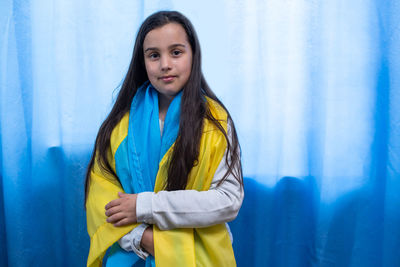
(122, 211)
(147, 241)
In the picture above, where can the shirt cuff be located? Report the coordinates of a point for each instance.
(144, 208)
(131, 241)
(137, 235)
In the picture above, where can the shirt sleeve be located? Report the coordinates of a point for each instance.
(191, 208)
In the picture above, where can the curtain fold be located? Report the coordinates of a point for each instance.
(313, 88)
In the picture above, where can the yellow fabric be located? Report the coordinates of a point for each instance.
(210, 246)
(102, 189)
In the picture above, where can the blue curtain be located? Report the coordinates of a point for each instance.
(314, 90)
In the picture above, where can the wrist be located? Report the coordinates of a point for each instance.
(147, 238)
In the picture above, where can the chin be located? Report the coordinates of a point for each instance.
(168, 91)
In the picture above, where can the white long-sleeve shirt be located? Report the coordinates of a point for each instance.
(186, 208)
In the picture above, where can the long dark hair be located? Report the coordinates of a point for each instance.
(193, 111)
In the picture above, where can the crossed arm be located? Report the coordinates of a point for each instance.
(178, 209)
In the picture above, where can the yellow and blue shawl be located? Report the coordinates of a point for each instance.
(140, 158)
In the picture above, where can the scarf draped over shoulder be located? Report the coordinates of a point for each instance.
(140, 157)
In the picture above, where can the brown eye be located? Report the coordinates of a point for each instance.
(176, 52)
(153, 55)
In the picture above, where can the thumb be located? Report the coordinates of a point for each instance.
(120, 194)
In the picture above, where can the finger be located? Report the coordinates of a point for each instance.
(113, 203)
(113, 210)
(121, 194)
(122, 222)
(116, 217)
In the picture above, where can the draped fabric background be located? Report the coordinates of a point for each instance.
(314, 90)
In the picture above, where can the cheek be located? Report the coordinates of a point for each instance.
(150, 69)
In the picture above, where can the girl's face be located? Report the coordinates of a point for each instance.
(168, 58)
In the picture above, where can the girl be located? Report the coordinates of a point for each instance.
(171, 146)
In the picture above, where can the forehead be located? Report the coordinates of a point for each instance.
(164, 36)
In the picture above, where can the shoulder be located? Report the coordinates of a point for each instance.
(217, 110)
(220, 116)
(119, 133)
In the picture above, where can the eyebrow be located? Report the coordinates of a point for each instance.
(171, 46)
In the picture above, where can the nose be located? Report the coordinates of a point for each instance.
(165, 63)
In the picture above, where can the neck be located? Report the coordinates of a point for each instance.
(163, 104)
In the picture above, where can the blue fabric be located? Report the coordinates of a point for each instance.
(116, 256)
(313, 88)
(144, 148)
(145, 144)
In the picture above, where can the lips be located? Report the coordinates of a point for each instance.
(168, 78)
